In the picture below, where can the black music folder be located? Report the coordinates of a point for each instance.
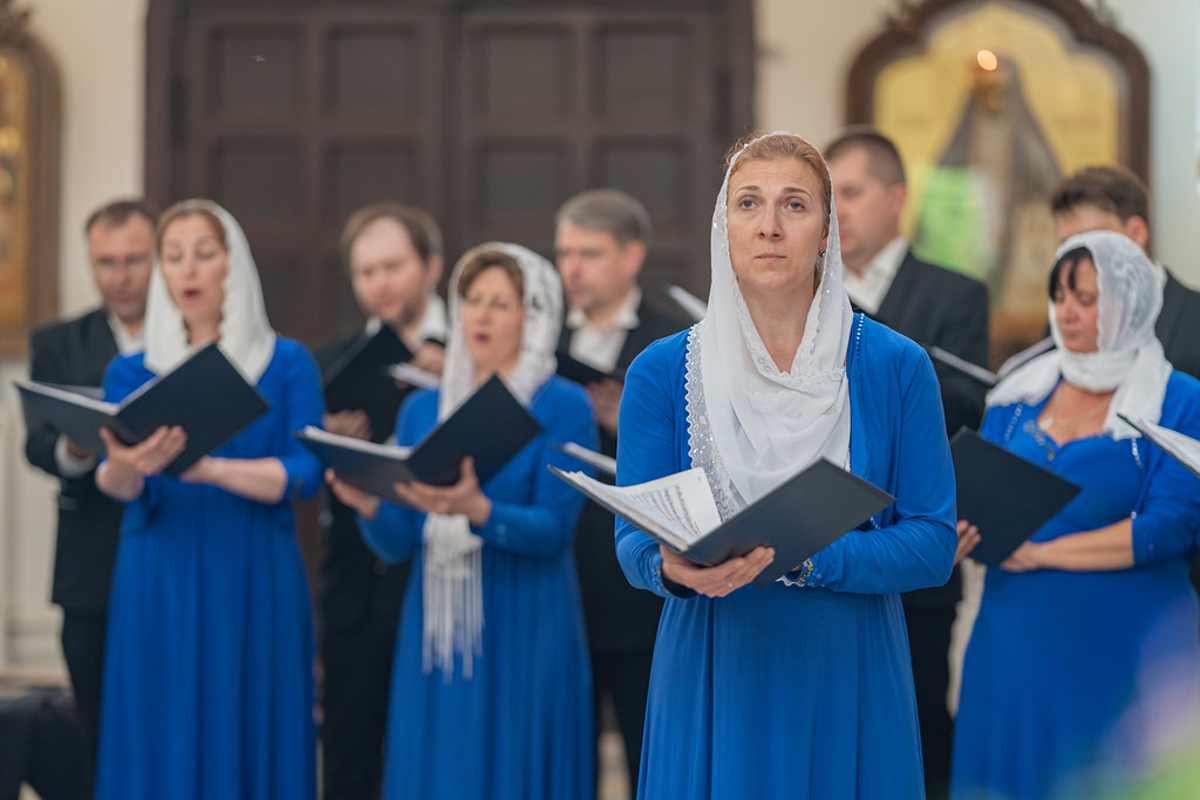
(799, 517)
(491, 427)
(358, 379)
(1178, 446)
(575, 370)
(205, 395)
(1005, 496)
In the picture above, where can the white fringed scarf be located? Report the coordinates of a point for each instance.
(452, 554)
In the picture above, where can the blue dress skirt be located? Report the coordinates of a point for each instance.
(1061, 665)
(797, 691)
(520, 728)
(208, 673)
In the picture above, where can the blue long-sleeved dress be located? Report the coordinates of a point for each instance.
(1057, 660)
(208, 673)
(797, 691)
(521, 727)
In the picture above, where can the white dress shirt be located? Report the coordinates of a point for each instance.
(601, 347)
(868, 290)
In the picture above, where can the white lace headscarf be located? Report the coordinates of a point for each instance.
(246, 336)
(1129, 358)
(453, 591)
(765, 424)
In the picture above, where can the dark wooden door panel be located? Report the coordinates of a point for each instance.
(487, 113)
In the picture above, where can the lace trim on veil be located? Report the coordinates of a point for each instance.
(701, 450)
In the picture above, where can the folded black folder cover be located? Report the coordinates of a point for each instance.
(799, 517)
(205, 395)
(1006, 497)
(574, 370)
(491, 427)
(359, 380)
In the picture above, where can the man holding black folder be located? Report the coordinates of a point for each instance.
(933, 307)
(600, 244)
(120, 244)
(394, 257)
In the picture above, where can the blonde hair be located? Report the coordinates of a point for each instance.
(190, 208)
(775, 146)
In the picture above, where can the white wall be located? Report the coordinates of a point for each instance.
(98, 47)
(805, 49)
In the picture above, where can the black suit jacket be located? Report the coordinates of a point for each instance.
(1177, 326)
(619, 617)
(354, 582)
(76, 352)
(934, 306)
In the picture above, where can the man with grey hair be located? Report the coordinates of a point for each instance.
(120, 248)
(600, 244)
(933, 307)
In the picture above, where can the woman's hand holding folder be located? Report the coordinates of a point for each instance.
(365, 505)
(123, 474)
(715, 581)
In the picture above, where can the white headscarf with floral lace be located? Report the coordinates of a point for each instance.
(1129, 358)
(766, 424)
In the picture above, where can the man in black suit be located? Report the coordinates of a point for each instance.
(600, 244)
(933, 307)
(120, 242)
(394, 256)
(1114, 199)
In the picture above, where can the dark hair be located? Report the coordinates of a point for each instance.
(883, 159)
(422, 229)
(1115, 190)
(757, 147)
(608, 210)
(190, 208)
(116, 213)
(1070, 262)
(482, 258)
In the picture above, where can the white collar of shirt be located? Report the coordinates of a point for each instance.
(127, 343)
(432, 325)
(601, 348)
(867, 292)
(626, 318)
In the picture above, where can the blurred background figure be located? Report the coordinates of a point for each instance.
(393, 254)
(933, 307)
(600, 245)
(208, 675)
(120, 247)
(1072, 623)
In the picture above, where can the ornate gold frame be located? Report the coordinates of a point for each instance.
(30, 141)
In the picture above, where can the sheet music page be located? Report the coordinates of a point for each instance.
(600, 461)
(682, 502)
(71, 395)
(390, 450)
(414, 376)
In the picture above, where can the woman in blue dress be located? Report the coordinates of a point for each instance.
(208, 676)
(491, 690)
(1080, 629)
(803, 688)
